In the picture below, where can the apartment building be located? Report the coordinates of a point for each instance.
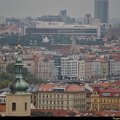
(106, 99)
(45, 69)
(104, 68)
(69, 67)
(63, 97)
(81, 69)
(114, 67)
(28, 62)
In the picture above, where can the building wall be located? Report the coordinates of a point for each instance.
(105, 102)
(102, 10)
(114, 67)
(20, 100)
(104, 69)
(69, 68)
(45, 70)
(81, 70)
(61, 100)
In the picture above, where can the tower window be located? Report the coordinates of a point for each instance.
(25, 106)
(13, 106)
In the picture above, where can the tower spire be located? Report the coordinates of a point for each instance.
(18, 85)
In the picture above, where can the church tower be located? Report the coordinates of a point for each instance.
(18, 99)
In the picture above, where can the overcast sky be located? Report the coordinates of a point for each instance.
(37, 8)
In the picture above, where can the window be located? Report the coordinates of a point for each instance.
(0, 100)
(25, 106)
(13, 106)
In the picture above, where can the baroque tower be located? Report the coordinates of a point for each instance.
(18, 99)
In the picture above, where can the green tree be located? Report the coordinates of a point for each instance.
(10, 68)
(4, 83)
(30, 78)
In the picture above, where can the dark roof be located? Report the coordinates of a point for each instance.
(5, 90)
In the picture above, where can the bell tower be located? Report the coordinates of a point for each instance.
(18, 99)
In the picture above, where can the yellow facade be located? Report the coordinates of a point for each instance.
(105, 102)
(22, 107)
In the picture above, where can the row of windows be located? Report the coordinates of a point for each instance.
(52, 102)
(108, 100)
(52, 96)
(58, 32)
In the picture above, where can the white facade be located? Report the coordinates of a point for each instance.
(43, 24)
(114, 67)
(81, 70)
(61, 27)
(69, 68)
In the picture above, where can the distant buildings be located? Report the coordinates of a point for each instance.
(59, 28)
(101, 10)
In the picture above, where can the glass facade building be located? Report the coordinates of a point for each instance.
(102, 10)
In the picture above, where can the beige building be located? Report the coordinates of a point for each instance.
(64, 97)
(45, 69)
(18, 104)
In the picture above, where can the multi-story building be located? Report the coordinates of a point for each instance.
(114, 67)
(107, 99)
(88, 67)
(102, 10)
(64, 97)
(92, 69)
(69, 67)
(28, 62)
(104, 68)
(56, 67)
(50, 28)
(45, 69)
(113, 32)
(81, 69)
(88, 19)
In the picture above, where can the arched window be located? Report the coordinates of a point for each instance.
(13, 106)
(25, 106)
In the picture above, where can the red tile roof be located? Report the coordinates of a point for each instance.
(46, 87)
(59, 113)
(68, 88)
(111, 90)
(74, 88)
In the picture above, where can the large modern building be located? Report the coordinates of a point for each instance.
(60, 28)
(102, 10)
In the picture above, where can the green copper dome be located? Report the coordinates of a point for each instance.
(18, 86)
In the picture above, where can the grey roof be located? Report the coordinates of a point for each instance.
(5, 90)
(33, 88)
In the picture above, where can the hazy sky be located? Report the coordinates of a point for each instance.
(37, 8)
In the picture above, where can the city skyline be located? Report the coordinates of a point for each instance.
(37, 8)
